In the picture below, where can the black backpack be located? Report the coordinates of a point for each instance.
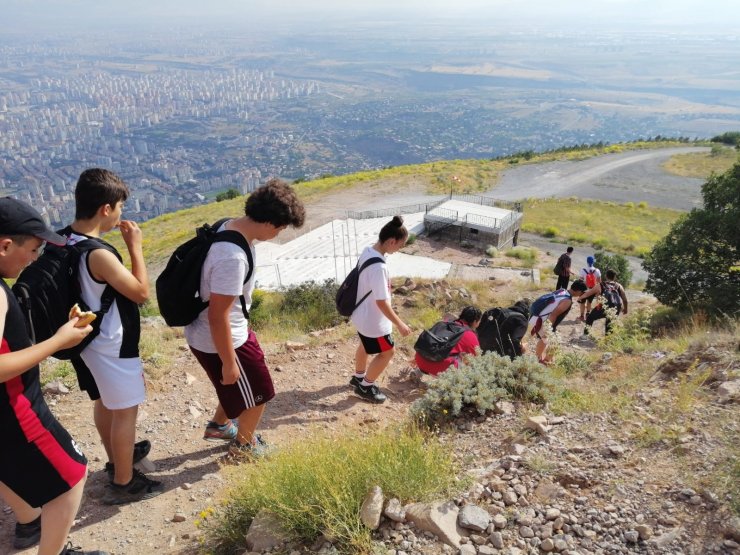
(178, 286)
(346, 299)
(49, 287)
(435, 344)
(610, 292)
(495, 331)
(558, 270)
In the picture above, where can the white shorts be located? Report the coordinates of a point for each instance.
(119, 380)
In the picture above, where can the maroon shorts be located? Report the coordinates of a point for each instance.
(254, 386)
(375, 345)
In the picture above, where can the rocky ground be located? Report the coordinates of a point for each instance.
(573, 483)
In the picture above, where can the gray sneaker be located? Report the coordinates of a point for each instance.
(140, 487)
(370, 393)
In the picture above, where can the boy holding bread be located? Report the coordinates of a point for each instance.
(42, 470)
(113, 356)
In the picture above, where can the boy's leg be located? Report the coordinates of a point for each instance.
(103, 418)
(378, 364)
(361, 358)
(123, 437)
(24, 513)
(56, 519)
(249, 419)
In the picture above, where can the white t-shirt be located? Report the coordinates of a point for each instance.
(592, 270)
(224, 270)
(367, 318)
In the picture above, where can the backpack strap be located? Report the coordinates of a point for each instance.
(84, 248)
(368, 262)
(236, 238)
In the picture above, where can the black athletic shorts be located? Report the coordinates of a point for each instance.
(46, 467)
(85, 379)
(376, 345)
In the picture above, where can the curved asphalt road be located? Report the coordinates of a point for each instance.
(624, 177)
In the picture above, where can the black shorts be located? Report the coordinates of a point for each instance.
(254, 386)
(41, 470)
(375, 345)
(85, 379)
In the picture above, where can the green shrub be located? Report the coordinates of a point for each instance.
(629, 333)
(411, 239)
(551, 231)
(316, 487)
(525, 254)
(642, 205)
(311, 305)
(480, 382)
(491, 251)
(599, 243)
(571, 362)
(604, 261)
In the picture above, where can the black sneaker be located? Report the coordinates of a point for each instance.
(354, 381)
(27, 534)
(141, 450)
(370, 393)
(70, 549)
(140, 487)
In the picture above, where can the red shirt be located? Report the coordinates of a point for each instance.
(467, 345)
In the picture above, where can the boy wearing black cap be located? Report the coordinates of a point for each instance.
(42, 471)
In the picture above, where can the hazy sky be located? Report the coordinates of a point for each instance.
(685, 15)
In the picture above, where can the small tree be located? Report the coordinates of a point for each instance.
(604, 261)
(697, 265)
(231, 193)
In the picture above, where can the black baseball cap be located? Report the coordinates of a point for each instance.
(18, 218)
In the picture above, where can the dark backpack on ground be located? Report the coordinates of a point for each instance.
(435, 344)
(49, 287)
(178, 286)
(610, 292)
(495, 331)
(346, 299)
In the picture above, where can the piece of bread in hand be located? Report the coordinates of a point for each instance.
(85, 317)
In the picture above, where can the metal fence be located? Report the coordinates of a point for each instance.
(390, 212)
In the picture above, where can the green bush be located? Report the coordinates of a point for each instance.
(480, 382)
(630, 332)
(571, 362)
(316, 487)
(551, 231)
(696, 266)
(311, 305)
(526, 254)
(491, 251)
(411, 239)
(604, 261)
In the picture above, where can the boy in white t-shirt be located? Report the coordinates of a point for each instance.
(374, 317)
(112, 357)
(221, 339)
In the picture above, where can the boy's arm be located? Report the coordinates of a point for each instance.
(623, 294)
(15, 363)
(219, 308)
(562, 307)
(105, 267)
(385, 307)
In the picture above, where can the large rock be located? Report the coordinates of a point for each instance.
(538, 424)
(265, 532)
(729, 391)
(438, 518)
(372, 508)
(395, 511)
(473, 517)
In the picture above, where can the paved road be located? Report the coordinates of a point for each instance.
(628, 176)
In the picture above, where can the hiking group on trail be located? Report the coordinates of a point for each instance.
(207, 287)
